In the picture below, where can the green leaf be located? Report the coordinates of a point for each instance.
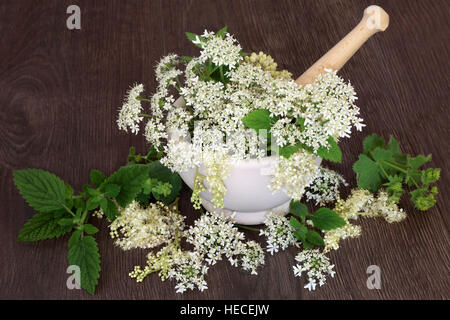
(65, 222)
(42, 190)
(90, 229)
(110, 209)
(295, 223)
(258, 119)
(93, 202)
(130, 179)
(83, 253)
(112, 190)
(371, 142)
(326, 219)
(97, 177)
(164, 174)
(314, 238)
(393, 146)
(194, 38)
(288, 150)
(42, 226)
(333, 153)
(369, 175)
(221, 33)
(299, 209)
(394, 187)
(418, 161)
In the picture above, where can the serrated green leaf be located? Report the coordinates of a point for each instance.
(42, 226)
(371, 142)
(93, 203)
(333, 153)
(84, 254)
(258, 119)
(110, 209)
(112, 190)
(221, 33)
(90, 229)
(42, 190)
(130, 179)
(97, 177)
(327, 219)
(418, 161)
(369, 175)
(66, 222)
(299, 209)
(314, 238)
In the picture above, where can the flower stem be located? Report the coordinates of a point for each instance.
(246, 227)
(143, 99)
(144, 115)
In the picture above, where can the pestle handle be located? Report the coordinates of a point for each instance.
(375, 19)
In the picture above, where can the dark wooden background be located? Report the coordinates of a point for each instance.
(60, 91)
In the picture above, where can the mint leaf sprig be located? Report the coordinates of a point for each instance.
(60, 211)
(384, 165)
(323, 219)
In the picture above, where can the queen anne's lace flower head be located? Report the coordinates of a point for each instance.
(278, 232)
(316, 265)
(325, 187)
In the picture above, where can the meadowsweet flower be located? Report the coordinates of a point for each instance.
(325, 187)
(361, 203)
(129, 113)
(145, 227)
(332, 237)
(278, 232)
(316, 265)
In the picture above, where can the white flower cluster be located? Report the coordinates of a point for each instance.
(139, 227)
(316, 265)
(293, 175)
(278, 232)
(185, 267)
(220, 51)
(214, 235)
(129, 114)
(325, 187)
(220, 88)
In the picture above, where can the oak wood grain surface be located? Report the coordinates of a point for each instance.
(60, 91)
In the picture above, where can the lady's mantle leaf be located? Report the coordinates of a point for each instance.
(41, 189)
(326, 219)
(83, 252)
(42, 226)
(369, 173)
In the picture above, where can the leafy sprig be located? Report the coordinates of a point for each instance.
(61, 211)
(323, 219)
(261, 120)
(384, 165)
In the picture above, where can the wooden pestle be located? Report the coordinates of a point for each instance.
(375, 19)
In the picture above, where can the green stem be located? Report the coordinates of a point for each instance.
(143, 99)
(222, 78)
(144, 115)
(395, 166)
(384, 171)
(246, 227)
